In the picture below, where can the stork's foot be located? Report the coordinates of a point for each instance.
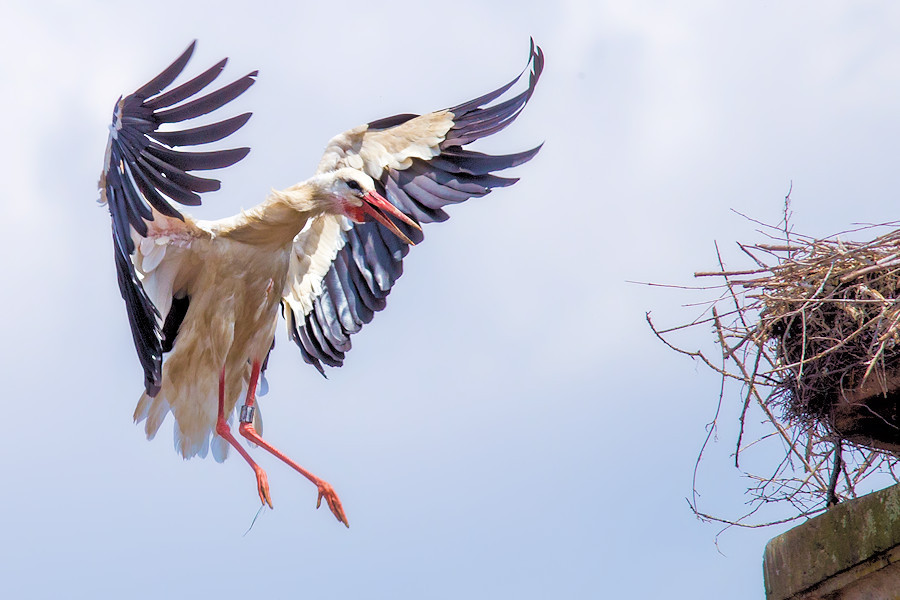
(262, 484)
(334, 503)
(325, 489)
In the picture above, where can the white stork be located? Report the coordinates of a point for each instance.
(203, 296)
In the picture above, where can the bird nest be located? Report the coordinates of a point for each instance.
(812, 332)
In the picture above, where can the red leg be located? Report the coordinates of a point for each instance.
(247, 430)
(222, 428)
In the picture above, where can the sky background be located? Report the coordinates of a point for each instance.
(508, 427)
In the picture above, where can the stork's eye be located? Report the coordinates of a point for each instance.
(353, 185)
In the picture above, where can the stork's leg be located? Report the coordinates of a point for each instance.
(222, 428)
(247, 430)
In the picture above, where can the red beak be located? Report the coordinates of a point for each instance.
(376, 206)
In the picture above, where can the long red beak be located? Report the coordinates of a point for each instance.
(376, 206)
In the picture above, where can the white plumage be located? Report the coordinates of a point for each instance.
(203, 297)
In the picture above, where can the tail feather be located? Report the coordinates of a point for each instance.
(193, 401)
(159, 408)
(153, 410)
(142, 408)
(192, 446)
(219, 447)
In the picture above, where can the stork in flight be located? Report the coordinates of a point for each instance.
(203, 296)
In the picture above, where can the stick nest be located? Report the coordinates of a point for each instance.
(813, 334)
(830, 319)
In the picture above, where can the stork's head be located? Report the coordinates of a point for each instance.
(353, 194)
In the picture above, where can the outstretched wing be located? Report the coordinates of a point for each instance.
(143, 172)
(341, 272)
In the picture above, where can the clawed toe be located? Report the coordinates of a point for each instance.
(262, 484)
(334, 503)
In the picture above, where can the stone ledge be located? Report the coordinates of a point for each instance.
(835, 551)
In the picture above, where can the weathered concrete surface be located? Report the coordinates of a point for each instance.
(852, 552)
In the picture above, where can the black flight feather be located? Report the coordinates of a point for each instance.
(141, 173)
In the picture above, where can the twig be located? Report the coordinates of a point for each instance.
(835, 472)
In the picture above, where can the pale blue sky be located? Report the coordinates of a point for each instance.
(508, 427)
